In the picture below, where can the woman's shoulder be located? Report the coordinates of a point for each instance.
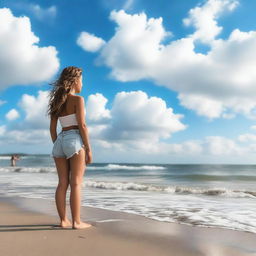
(76, 97)
(77, 100)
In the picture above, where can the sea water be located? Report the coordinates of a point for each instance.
(202, 195)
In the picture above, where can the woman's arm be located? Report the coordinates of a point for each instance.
(80, 115)
(53, 126)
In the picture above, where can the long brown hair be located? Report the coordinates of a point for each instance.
(61, 88)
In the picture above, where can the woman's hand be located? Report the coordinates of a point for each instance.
(88, 156)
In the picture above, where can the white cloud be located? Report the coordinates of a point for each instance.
(35, 108)
(34, 129)
(217, 145)
(23, 137)
(97, 111)
(12, 114)
(203, 106)
(43, 14)
(185, 148)
(135, 47)
(204, 17)
(216, 84)
(134, 121)
(136, 112)
(90, 42)
(24, 63)
(247, 137)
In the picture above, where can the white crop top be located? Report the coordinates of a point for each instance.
(68, 120)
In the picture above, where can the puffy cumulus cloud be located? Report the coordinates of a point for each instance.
(96, 109)
(35, 108)
(143, 116)
(204, 17)
(12, 114)
(24, 62)
(214, 84)
(134, 121)
(34, 128)
(135, 47)
(203, 78)
(90, 42)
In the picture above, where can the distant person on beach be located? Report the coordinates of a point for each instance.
(71, 149)
(14, 158)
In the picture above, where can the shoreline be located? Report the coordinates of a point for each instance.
(116, 230)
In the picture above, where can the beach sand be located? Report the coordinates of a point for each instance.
(27, 227)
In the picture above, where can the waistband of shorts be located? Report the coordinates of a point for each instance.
(70, 131)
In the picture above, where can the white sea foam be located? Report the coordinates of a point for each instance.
(27, 169)
(104, 167)
(128, 167)
(5, 157)
(169, 189)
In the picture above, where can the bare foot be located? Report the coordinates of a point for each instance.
(65, 224)
(81, 225)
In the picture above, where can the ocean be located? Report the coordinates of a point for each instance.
(221, 196)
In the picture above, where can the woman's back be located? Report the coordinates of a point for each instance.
(69, 106)
(67, 116)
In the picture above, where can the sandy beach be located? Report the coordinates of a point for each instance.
(28, 227)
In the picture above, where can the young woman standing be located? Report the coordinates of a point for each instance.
(71, 149)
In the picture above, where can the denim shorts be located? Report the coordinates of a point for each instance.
(67, 144)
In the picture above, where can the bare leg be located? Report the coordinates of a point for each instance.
(62, 166)
(77, 167)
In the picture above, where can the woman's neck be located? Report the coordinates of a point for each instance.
(72, 92)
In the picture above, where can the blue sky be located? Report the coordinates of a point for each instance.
(164, 82)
